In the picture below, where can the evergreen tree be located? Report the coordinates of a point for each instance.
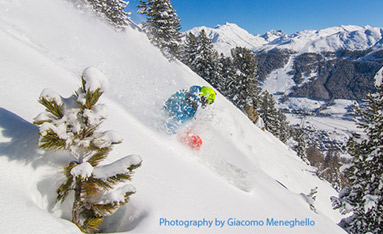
(363, 197)
(111, 10)
(72, 124)
(190, 50)
(268, 113)
(200, 56)
(329, 169)
(206, 61)
(226, 72)
(283, 126)
(162, 25)
(243, 88)
(299, 137)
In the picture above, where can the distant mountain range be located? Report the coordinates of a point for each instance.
(331, 39)
(332, 63)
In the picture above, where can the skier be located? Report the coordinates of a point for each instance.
(181, 108)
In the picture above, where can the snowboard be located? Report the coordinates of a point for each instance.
(191, 140)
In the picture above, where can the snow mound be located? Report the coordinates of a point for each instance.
(117, 167)
(95, 79)
(51, 95)
(83, 170)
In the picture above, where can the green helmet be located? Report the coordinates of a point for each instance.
(207, 95)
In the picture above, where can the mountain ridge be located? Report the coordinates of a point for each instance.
(351, 37)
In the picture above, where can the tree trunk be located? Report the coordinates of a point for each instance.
(251, 113)
(76, 209)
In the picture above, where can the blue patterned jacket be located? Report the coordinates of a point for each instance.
(182, 106)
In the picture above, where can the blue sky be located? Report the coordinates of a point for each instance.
(260, 16)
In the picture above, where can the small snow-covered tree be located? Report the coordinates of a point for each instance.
(311, 198)
(162, 25)
(364, 196)
(72, 124)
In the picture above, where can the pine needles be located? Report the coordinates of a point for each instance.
(73, 125)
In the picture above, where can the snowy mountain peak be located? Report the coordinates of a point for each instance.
(228, 25)
(351, 37)
(273, 34)
(230, 35)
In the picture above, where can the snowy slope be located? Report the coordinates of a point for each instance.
(240, 172)
(349, 37)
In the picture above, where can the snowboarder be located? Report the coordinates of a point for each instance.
(183, 105)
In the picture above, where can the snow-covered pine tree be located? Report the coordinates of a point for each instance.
(300, 146)
(242, 88)
(226, 71)
(268, 113)
(112, 10)
(190, 50)
(200, 56)
(283, 126)
(206, 62)
(72, 124)
(162, 25)
(363, 197)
